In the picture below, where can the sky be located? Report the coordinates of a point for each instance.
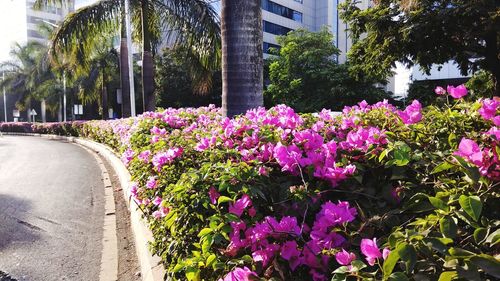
(12, 25)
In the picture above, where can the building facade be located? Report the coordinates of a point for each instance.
(281, 16)
(52, 15)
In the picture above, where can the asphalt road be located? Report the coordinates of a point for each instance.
(51, 210)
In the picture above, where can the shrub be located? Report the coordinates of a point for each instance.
(376, 193)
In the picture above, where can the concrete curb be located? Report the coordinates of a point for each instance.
(151, 266)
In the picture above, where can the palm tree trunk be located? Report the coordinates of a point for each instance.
(104, 98)
(242, 78)
(148, 86)
(124, 68)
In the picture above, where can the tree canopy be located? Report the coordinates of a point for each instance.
(424, 32)
(305, 75)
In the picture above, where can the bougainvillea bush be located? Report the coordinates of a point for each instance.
(377, 193)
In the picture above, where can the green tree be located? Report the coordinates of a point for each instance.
(179, 83)
(191, 23)
(29, 76)
(424, 32)
(305, 75)
(242, 63)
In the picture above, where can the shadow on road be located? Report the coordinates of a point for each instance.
(13, 226)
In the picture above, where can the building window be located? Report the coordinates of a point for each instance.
(281, 10)
(275, 29)
(268, 46)
(35, 34)
(300, 1)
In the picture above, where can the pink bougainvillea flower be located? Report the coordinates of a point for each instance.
(240, 205)
(470, 150)
(127, 156)
(144, 156)
(489, 108)
(440, 91)
(240, 274)
(385, 253)
(317, 275)
(214, 195)
(412, 114)
(163, 158)
(151, 183)
(344, 257)
(290, 253)
(266, 254)
(494, 131)
(157, 201)
(457, 92)
(371, 251)
(287, 156)
(496, 121)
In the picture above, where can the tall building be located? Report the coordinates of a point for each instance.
(52, 15)
(281, 16)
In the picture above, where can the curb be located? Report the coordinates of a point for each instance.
(151, 266)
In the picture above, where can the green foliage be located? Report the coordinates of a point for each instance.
(178, 81)
(424, 32)
(305, 76)
(482, 84)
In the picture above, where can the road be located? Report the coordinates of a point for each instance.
(51, 210)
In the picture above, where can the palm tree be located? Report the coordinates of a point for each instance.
(93, 79)
(191, 23)
(30, 77)
(242, 78)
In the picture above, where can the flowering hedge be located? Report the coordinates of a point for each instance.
(376, 193)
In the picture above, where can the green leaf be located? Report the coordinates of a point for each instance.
(401, 157)
(480, 235)
(342, 269)
(193, 274)
(448, 227)
(439, 204)
(447, 276)
(210, 260)
(339, 277)
(398, 276)
(204, 232)
(437, 244)
(224, 199)
(452, 140)
(231, 217)
(489, 264)
(460, 253)
(207, 243)
(494, 238)
(390, 262)
(471, 205)
(442, 167)
(408, 256)
(357, 265)
(383, 154)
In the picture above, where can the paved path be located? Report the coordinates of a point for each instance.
(51, 210)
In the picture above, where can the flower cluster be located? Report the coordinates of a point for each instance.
(485, 159)
(455, 92)
(272, 238)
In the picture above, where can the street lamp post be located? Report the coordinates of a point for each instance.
(130, 62)
(64, 96)
(4, 99)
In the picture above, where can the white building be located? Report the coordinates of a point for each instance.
(52, 15)
(281, 16)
